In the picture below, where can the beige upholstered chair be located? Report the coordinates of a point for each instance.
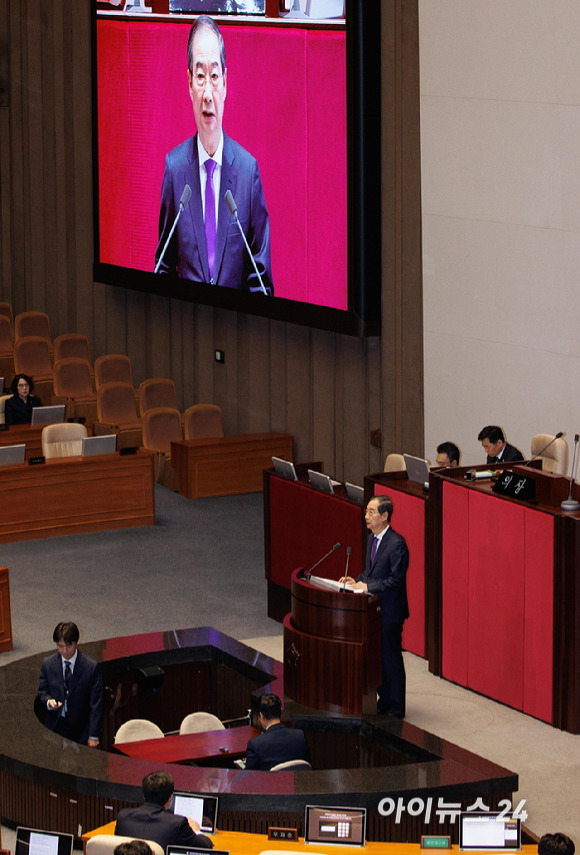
(105, 844)
(292, 766)
(395, 463)
(64, 440)
(2, 403)
(203, 420)
(161, 427)
(555, 458)
(136, 729)
(197, 722)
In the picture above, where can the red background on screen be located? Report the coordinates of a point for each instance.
(286, 104)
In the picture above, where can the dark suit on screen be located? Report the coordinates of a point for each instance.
(152, 822)
(84, 705)
(387, 577)
(187, 252)
(276, 745)
(511, 454)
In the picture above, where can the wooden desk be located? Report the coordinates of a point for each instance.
(209, 745)
(68, 495)
(505, 578)
(228, 465)
(31, 436)
(242, 843)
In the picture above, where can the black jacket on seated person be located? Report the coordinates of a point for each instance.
(277, 744)
(511, 454)
(152, 822)
(19, 412)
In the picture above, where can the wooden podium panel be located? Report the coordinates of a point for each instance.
(226, 466)
(68, 495)
(332, 649)
(5, 618)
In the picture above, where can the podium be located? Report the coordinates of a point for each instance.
(332, 649)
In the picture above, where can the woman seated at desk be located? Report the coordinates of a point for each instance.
(18, 408)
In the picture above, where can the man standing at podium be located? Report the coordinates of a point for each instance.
(386, 575)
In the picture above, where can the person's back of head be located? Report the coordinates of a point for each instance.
(556, 844)
(158, 787)
(133, 847)
(67, 631)
(493, 433)
(270, 707)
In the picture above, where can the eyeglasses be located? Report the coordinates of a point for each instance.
(201, 79)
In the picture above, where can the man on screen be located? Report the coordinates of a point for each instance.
(207, 245)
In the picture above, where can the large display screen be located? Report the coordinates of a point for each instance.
(286, 105)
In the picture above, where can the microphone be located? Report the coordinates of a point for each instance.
(183, 203)
(348, 552)
(308, 573)
(231, 203)
(547, 445)
(571, 504)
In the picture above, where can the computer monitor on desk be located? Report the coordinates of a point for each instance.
(33, 841)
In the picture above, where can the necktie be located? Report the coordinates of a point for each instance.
(210, 229)
(374, 549)
(67, 676)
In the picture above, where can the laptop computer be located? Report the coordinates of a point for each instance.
(202, 808)
(285, 468)
(95, 445)
(33, 841)
(342, 825)
(52, 415)
(417, 469)
(11, 454)
(486, 831)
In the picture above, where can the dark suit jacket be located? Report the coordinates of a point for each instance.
(187, 252)
(153, 822)
(85, 700)
(511, 454)
(276, 745)
(388, 575)
(16, 412)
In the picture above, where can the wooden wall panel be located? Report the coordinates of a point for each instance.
(328, 390)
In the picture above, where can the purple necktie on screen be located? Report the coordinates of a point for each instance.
(374, 550)
(210, 229)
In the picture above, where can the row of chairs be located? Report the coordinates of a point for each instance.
(141, 728)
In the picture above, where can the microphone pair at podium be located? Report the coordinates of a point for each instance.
(231, 203)
(336, 546)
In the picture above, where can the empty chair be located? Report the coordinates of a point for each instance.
(32, 357)
(157, 392)
(113, 368)
(33, 323)
(6, 309)
(395, 463)
(105, 844)
(161, 426)
(116, 413)
(555, 457)
(197, 722)
(6, 350)
(71, 345)
(64, 440)
(292, 766)
(203, 420)
(73, 386)
(136, 729)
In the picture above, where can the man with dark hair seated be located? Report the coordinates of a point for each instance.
(556, 844)
(133, 847)
(447, 455)
(154, 821)
(278, 743)
(497, 449)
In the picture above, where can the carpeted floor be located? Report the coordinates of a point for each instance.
(202, 564)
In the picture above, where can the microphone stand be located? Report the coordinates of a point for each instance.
(183, 202)
(571, 504)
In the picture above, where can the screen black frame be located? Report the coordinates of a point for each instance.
(22, 844)
(363, 94)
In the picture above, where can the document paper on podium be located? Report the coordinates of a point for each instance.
(333, 585)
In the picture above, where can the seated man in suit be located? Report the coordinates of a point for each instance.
(497, 449)
(154, 821)
(70, 687)
(278, 743)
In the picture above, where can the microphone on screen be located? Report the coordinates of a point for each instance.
(183, 203)
(231, 203)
